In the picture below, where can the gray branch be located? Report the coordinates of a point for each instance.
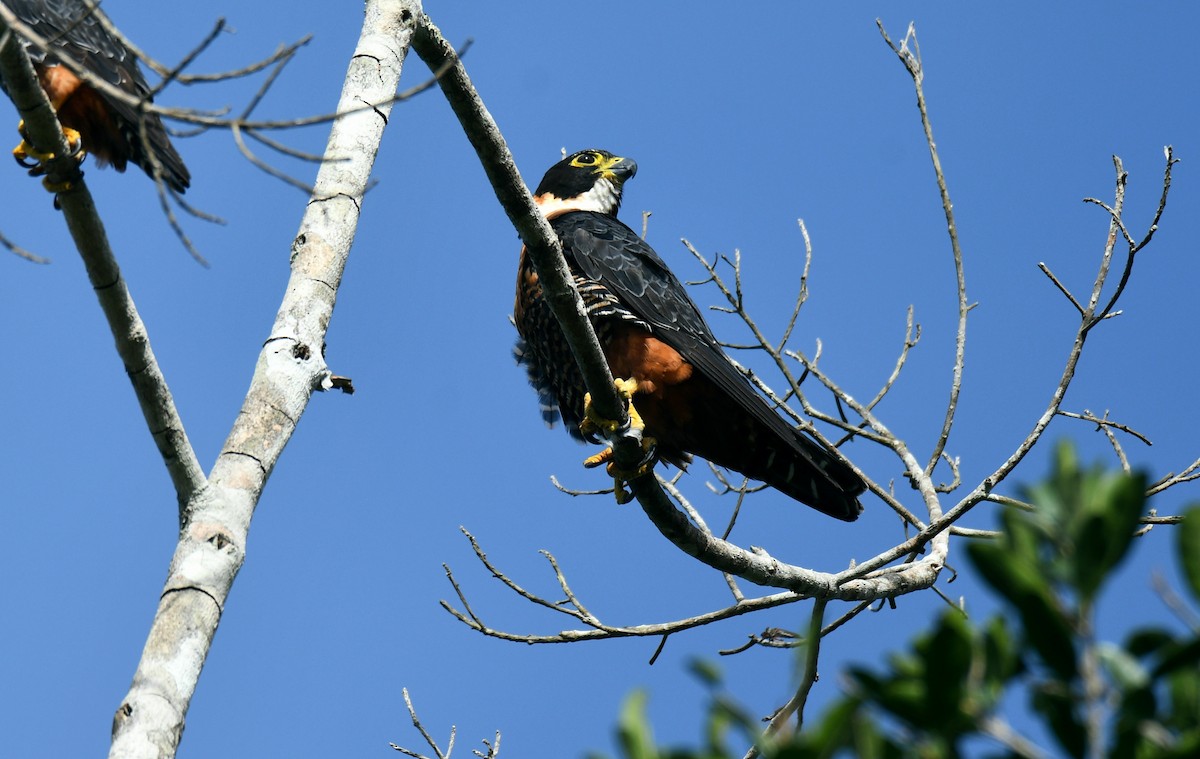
(87, 230)
(290, 368)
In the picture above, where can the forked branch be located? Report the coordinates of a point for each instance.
(491, 748)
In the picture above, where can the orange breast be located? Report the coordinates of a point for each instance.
(83, 109)
(634, 353)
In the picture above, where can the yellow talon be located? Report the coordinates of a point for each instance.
(22, 152)
(33, 159)
(603, 457)
(593, 423)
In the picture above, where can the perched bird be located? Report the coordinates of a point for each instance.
(690, 396)
(103, 126)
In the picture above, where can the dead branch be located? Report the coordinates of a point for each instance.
(911, 58)
(28, 255)
(290, 368)
(795, 705)
(1103, 423)
(1090, 316)
(492, 748)
(572, 607)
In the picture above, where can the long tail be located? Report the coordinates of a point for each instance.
(765, 448)
(801, 469)
(174, 172)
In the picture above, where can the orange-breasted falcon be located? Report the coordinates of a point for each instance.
(107, 128)
(693, 400)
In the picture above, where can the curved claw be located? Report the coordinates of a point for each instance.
(29, 158)
(34, 160)
(597, 429)
(622, 477)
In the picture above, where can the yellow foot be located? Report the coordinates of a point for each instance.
(594, 427)
(33, 159)
(603, 457)
(56, 187)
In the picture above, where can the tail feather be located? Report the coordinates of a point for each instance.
(779, 455)
(803, 470)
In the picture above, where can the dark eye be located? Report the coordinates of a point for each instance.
(586, 159)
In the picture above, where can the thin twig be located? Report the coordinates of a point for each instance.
(912, 62)
(22, 252)
(1104, 423)
(576, 610)
(795, 705)
(1061, 287)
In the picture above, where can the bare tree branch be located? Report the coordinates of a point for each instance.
(1105, 423)
(572, 607)
(290, 368)
(911, 58)
(28, 255)
(808, 678)
(205, 120)
(91, 240)
(1090, 316)
(492, 748)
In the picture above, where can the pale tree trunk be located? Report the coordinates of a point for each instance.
(215, 511)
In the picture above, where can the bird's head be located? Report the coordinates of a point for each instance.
(590, 180)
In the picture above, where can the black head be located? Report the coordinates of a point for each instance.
(590, 180)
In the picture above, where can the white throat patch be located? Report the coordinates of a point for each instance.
(604, 197)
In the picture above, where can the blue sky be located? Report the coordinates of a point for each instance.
(741, 122)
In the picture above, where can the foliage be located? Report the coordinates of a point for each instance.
(945, 693)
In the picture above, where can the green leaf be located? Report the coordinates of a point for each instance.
(901, 696)
(706, 671)
(1184, 690)
(1178, 656)
(1010, 576)
(1189, 549)
(1044, 626)
(1135, 711)
(1147, 641)
(836, 727)
(1002, 655)
(1103, 529)
(1187, 747)
(1059, 710)
(634, 734)
(724, 713)
(1026, 535)
(948, 657)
